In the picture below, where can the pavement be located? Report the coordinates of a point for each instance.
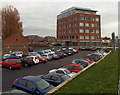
(8, 76)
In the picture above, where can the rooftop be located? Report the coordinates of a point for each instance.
(78, 8)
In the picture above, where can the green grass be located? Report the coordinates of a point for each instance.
(100, 78)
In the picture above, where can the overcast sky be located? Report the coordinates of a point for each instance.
(40, 18)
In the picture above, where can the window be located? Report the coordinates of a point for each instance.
(87, 18)
(87, 24)
(59, 71)
(97, 31)
(86, 37)
(55, 78)
(92, 18)
(81, 30)
(30, 85)
(47, 77)
(22, 82)
(81, 17)
(97, 25)
(92, 31)
(75, 68)
(97, 37)
(72, 25)
(92, 25)
(72, 31)
(92, 37)
(70, 67)
(72, 37)
(81, 37)
(97, 19)
(86, 31)
(81, 24)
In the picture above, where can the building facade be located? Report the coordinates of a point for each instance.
(16, 42)
(79, 27)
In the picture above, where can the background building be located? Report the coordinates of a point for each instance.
(79, 27)
(16, 42)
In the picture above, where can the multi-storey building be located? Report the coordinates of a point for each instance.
(79, 27)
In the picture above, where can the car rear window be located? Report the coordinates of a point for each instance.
(17, 61)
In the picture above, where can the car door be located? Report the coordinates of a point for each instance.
(31, 88)
(55, 80)
(75, 69)
(21, 85)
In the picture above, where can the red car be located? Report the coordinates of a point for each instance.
(77, 48)
(74, 67)
(90, 61)
(12, 63)
(43, 60)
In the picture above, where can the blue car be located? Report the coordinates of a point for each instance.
(84, 63)
(10, 56)
(33, 85)
(55, 78)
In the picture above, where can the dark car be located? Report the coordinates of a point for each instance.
(55, 78)
(61, 54)
(84, 63)
(27, 61)
(68, 52)
(33, 85)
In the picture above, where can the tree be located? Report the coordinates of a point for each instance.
(11, 23)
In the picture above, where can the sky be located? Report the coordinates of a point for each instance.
(40, 18)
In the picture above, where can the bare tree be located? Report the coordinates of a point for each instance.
(11, 23)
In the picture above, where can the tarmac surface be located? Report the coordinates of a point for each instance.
(8, 76)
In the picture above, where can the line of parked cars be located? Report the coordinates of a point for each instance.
(41, 84)
(18, 59)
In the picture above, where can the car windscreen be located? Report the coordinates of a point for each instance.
(42, 84)
(44, 56)
(67, 71)
(65, 77)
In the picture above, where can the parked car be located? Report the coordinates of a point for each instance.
(90, 61)
(77, 48)
(18, 53)
(12, 63)
(33, 85)
(10, 56)
(56, 56)
(87, 48)
(48, 56)
(74, 67)
(27, 61)
(84, 63)
(30, 50)
(61, 54)
(15, 91)
(35, 59)
(63, 71)
(55, 78)
(93, 48)
(34, 54)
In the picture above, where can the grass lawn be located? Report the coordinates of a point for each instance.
(100, 78)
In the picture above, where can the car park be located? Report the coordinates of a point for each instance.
(33, 85)
(35, 59)
(74, 67)
(84, 63)
(26, 61)
(63, 71)
(12, 63)
(55, 78)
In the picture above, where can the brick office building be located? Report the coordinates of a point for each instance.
(79, 27)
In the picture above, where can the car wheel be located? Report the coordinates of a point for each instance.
(10, 67)
(40, 61)
(26, 65)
